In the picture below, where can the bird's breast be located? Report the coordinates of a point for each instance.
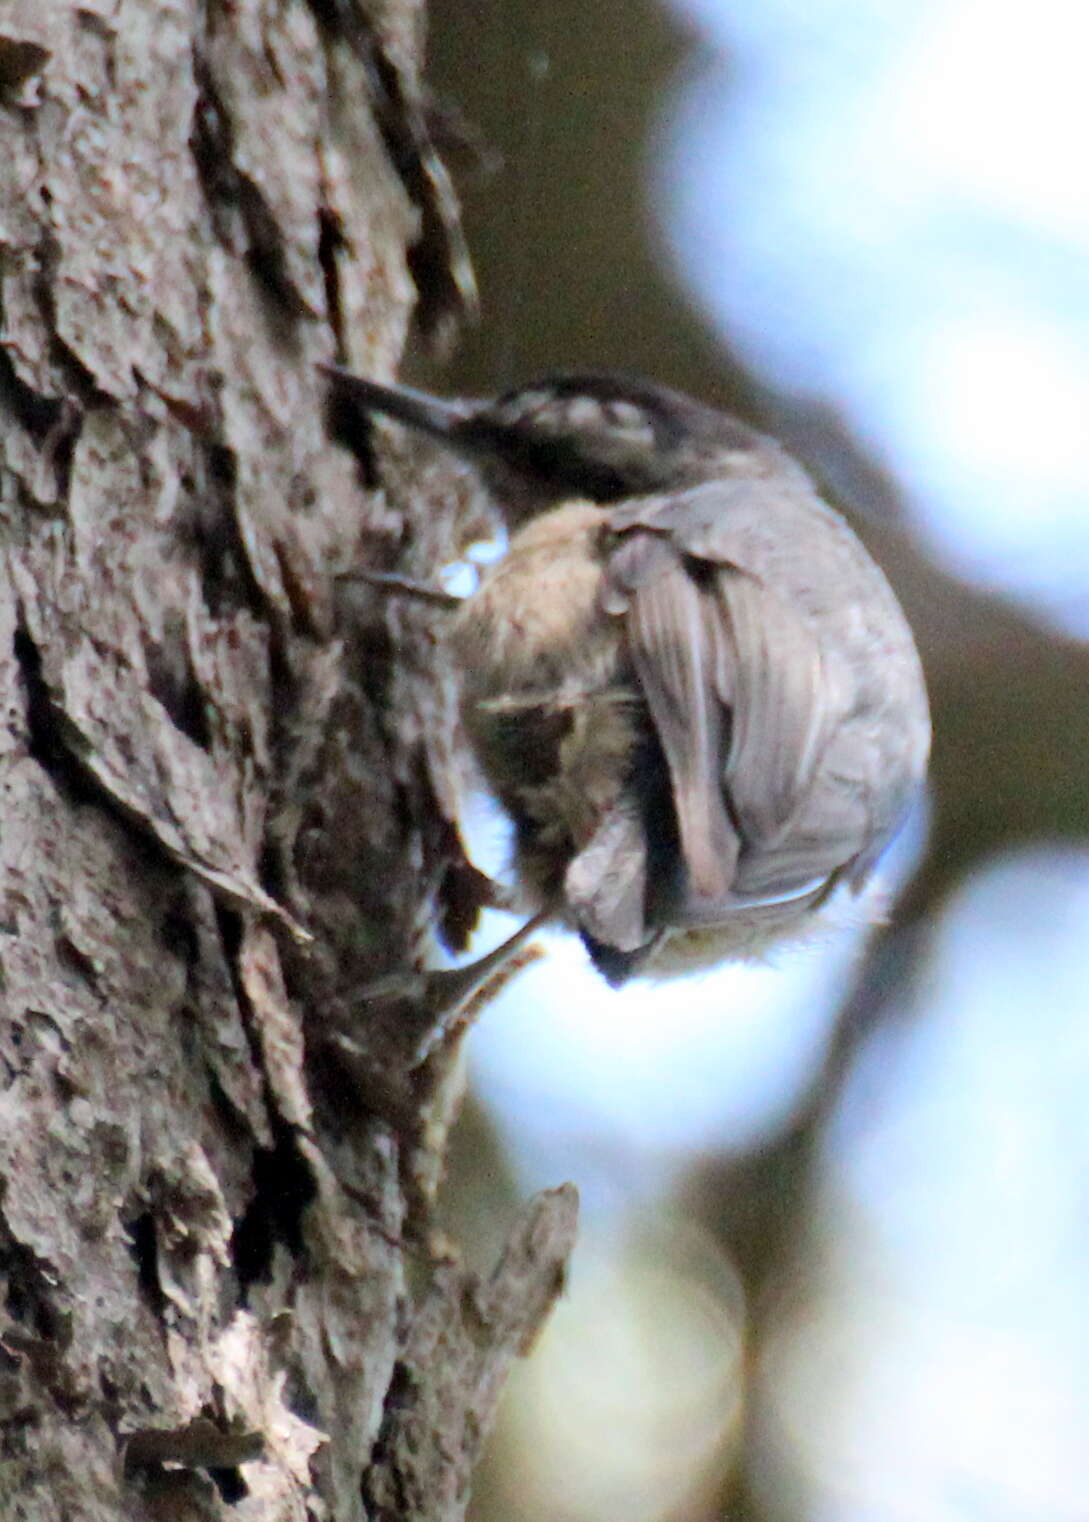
(547, 701)
(534, 624)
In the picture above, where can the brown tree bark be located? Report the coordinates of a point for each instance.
(228, 795)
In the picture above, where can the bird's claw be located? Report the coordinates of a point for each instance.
(446, 1000)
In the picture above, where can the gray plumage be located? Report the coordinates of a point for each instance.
(688, 682)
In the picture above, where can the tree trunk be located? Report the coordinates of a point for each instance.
(227, 790)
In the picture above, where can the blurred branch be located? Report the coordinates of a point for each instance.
(452, 1368)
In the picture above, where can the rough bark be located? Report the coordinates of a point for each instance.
(228, 793)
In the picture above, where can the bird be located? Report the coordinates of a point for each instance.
(687, 682)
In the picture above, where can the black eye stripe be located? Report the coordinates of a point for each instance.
(551, 459)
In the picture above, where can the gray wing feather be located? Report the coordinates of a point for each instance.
(671, 629)
(606, 883)
(780, 677)
(776, 695)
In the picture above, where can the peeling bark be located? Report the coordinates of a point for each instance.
(228, 793)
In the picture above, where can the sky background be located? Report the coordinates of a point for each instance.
(889, 206)
(883, 205)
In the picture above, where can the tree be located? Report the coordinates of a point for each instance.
(228, 787)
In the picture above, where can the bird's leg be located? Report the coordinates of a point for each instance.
(445, 1000)
(389, 581)
(452, 992)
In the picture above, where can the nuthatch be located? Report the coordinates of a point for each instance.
(687, 682)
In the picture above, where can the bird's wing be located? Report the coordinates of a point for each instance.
(680, 658)
(733, 677)
(605, 887)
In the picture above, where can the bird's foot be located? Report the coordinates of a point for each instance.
(445, 1001)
